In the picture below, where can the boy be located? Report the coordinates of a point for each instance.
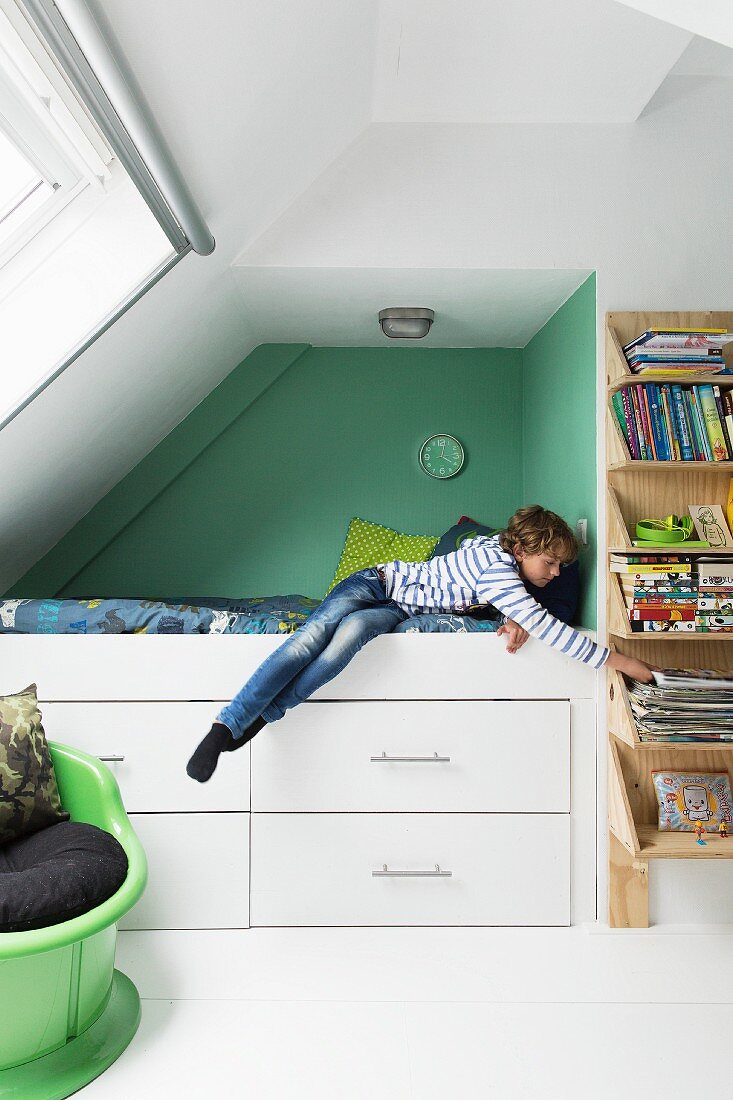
(484, 570)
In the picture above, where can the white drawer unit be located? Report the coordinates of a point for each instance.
(462, 757)
(410, 869)
(198, 871)
(429, 754)
(146, 746)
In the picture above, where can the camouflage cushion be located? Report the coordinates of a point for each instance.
(29, 797)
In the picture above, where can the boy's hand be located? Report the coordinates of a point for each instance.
(630, 666)
(516, 635)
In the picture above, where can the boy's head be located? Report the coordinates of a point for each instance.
(541, 542)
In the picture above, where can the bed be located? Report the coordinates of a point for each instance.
(428, 784)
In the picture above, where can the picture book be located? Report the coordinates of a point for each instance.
(710, 524)
(686, 798)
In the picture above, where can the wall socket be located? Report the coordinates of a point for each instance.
(581, 531)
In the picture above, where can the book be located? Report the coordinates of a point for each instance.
(662, 569)
(658, 614)
(669, 605)
(712, 574)
(721, 417)
(622, 408)
(697, 450)
(659, 356)
(727, 400)
(695, 337)
(670, 421)
(713, 426)
(707, 679)
(681, 370)
(658, 557)
(630, 419)
(663, 625)
(658, 433)
(682, 424)
(646, 416)
(703, 443)
(636, 404)
(661, 348)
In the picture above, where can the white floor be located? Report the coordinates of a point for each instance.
(422, 1014)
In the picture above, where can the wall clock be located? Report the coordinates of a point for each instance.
(441, 456)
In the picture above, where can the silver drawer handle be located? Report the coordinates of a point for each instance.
(386, 873)
(434, 759)
(111, 759)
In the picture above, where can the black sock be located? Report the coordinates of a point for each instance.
(203, 763)
(235, 743)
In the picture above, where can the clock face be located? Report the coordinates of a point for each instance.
(441, 456)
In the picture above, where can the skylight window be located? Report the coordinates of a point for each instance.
(22, 189)
(84, 226)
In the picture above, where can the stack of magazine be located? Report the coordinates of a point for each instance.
(684, 704)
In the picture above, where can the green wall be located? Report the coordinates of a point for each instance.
(559, 424)
(253, 492)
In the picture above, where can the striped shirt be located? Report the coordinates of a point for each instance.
(480, 572)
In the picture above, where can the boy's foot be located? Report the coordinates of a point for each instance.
(202, 764)
(235, 743)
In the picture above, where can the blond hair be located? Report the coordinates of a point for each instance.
(536, 530)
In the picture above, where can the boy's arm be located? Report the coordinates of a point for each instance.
(506, 592)
(639, 670)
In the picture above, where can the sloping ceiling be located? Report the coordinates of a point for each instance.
(257, 102)
(711, 19)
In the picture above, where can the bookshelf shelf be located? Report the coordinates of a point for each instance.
(664, 467)
(650, 490)
(659, 376)
(656, 845)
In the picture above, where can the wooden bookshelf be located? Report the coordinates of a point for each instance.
(648, 490)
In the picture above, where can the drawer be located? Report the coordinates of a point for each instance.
(504, 757)
(198, 871)
(155, 741)
(317, 869)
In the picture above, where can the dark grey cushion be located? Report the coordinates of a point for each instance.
(57, 873)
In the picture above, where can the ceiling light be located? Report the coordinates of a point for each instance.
(406, 322)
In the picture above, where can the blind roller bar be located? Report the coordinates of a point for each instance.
(105, 85)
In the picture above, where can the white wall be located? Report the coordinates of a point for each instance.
(254, 104)
(646, 205)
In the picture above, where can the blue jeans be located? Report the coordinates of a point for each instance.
(356, 611)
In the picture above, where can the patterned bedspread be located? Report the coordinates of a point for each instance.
(201, 615)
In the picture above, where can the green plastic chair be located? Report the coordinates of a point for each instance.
(67, 1014)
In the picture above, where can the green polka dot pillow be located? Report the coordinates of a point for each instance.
(371, 544)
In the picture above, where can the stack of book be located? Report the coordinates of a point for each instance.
(715, 596)
(678, 351)
(684, 704)
(669, 422)
(659, 590)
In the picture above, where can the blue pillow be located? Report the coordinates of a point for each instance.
(464, 529)
(560, 596)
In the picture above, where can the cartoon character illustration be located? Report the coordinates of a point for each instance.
(219, 622)
(8, 609)
(720, 622)
(112, 623)
(696, 803)
(712, 532)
